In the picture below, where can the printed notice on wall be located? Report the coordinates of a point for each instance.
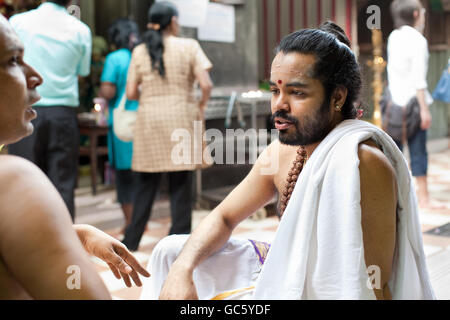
(192, 13)
(219, 25)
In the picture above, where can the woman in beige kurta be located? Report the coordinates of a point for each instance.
(167, 137)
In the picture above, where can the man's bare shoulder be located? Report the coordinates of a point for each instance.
(269, 155)
(19, 180)
(378, 178)
(277, 151)
(374, 162)
(275, 163)
(12, 167)
(274, 145)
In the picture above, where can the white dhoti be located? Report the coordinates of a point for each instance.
(231, 273)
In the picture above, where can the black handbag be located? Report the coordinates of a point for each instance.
(401, 123)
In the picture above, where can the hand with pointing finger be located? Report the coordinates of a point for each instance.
(119, 259)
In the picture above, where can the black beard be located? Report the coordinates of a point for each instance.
(312, 129)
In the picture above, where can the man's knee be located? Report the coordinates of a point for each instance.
(168, 249)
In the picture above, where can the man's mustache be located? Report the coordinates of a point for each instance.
(283, 115)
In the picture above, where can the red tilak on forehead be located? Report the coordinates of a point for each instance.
(280, 82)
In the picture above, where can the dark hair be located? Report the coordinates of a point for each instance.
(120, 32)
(63, 3)
(160, 13)
(335, 65)
(402, 12)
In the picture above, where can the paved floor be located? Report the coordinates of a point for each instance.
(103, 212)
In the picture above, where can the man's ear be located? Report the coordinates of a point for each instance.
(339, 96)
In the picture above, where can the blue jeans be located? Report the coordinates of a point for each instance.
(417, 145)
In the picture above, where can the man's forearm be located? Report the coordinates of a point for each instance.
(209, 237)
(422, 101)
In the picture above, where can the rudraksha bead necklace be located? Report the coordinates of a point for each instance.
(293, 175)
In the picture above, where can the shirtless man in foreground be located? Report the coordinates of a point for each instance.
(39, 247)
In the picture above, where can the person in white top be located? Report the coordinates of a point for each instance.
(408, 57)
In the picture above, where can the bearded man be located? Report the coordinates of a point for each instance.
(349, 228)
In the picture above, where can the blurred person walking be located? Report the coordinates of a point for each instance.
(408, 57)
(123, 36)
(59, 47)
(162, 75)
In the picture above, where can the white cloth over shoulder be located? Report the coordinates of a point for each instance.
(318, 250)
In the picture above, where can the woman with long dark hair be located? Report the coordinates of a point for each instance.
(162, 75)
(123, 35)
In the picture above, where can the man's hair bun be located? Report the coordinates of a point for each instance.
(335, 30)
